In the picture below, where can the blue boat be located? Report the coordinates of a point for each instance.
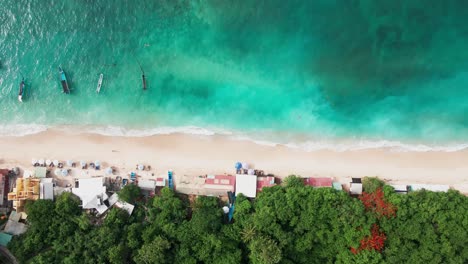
(63, 80)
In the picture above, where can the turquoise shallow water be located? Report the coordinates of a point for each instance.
(314, 70)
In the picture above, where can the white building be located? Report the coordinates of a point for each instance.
(92, 193)
(246, 184)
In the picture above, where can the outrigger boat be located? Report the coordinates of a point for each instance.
(63, 80)
(144, 81)
(99, 84)
(21, 90)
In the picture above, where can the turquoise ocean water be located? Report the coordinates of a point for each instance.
(305, 72)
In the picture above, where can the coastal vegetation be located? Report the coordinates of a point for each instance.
(291, 223)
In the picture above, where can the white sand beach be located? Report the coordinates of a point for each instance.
(189, 155)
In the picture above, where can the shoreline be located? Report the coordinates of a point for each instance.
(293, 140)
(193, 155)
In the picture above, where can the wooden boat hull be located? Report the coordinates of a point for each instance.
(63, 80)
(21, 90)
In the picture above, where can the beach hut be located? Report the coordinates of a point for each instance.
(318, 182)
(355, 187)
(246, 184)
(400, 188)
(219, 184)
(262, 182)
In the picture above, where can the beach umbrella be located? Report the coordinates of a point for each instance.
(41, 161)
(58, 172)
(64, 172)
(245, 165)
(97, 163)
(141, 166)
(55, 162)
(109, 170)
(48, 162)
(69, 163)
(238, 165)
(251, 172)
(225, 209)
(82, 163)
(34, 161)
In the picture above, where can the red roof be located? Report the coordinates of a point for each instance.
(318, 182)
(221, 180)
(265, 182)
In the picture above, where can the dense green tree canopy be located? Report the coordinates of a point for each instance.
(292, 223)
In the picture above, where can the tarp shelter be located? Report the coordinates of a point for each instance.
(5, 238)
(147, 184)
(46, 189)
(337, 186)
(318, 182)
(247, 185)
(41, 172)
(429, 187)
(400, 188)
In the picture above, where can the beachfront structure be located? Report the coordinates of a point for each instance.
(26, 189)
(262, 182)
(3, 184)
(92, 194)
(160, 182)
(46, 189)
(337, 186)
(14, 225)
(149, 185)
(318, 182)
(400, 188)
(429, 187)
(115, 201)
(219, 184)
(247, 185)
(355, 187)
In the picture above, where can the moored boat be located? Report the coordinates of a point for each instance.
(99, 84)
(63, 80)
(21, 91)
(144, 81)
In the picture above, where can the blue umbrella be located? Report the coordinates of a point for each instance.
(64, 172)
(238, 165)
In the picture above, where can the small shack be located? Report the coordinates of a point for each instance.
(318, 182)
(355, 187)
(219, 184)
(429, 187)
(263, 182)
(247, 185)
(400, 188)
(46, 189)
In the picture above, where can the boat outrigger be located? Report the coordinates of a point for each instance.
(63, 80)
(99, 84)
(21, 90)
